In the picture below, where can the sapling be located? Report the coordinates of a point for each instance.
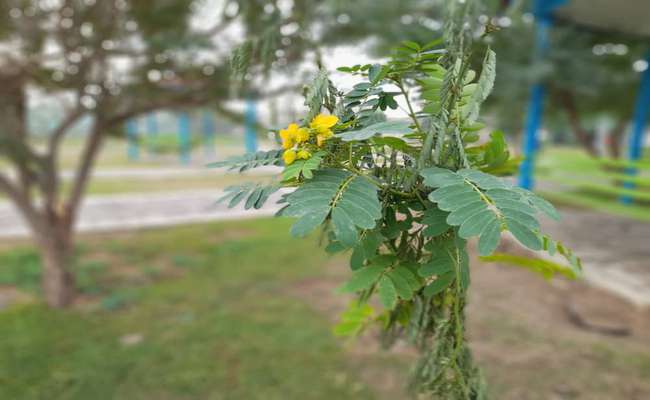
(403, 196)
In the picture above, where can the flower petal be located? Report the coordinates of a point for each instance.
(289, 156)
(302, 135)
(324, 121)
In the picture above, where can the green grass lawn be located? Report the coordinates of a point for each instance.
(211, 305)
(240, 311)
(581, 181)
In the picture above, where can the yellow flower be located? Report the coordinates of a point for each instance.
(304, 154)
(302, 134)
(293, 134)
(322, 137)
(287, 138)
(322, 124)
(289, 156)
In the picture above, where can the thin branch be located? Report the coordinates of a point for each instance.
(80, 180)
(235, 116)
(62, 129)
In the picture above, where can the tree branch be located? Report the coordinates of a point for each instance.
(62, 129)
(21, 201)
(181, 102)
(93, 144)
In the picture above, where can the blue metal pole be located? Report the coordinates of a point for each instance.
(250, 134)
(184, 137)
(208, 134)
(133, 147)
(152, 130)
(543, 12)
(639, 122)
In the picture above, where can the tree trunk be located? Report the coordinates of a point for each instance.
(583, 137)
(614, 138)
(58, 282)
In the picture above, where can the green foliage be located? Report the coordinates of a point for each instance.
(407, 205)
(250, 161)
(482, 205)
(21, 268)
(381, 128)
(483, 87)
(317, 94)
(350, 200)
(355, 319)
(252, 195)
(302, 168)
(541, 266)
(493, 156)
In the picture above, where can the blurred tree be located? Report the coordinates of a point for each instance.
(110, 60)
(116, 59)
(585, 68)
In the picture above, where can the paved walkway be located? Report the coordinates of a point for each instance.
(158, 173)
(130, 211)
(615, 250)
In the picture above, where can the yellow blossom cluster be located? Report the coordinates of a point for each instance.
(296, 139)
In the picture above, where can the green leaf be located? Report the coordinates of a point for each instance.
(438, 177)
(350, 200)
(440, 284)
(411, 45)
(475, 224)
(253, 196)
(344, 228)
(459, 215)
(401, 283)
(308, 222)
(524, 234)
(539, 203)
(481, 179)
(453, 199)
(387, 292)
(407, 270)
(538, 265)
(392, 142)
(436, 222)
(387, 127)
(264, 196)
(489, 239)
(303, 168)
(366, 249)
(483, 87)
(521, 217)
(480, 204)
(355, 319)
(316, 93)
(439, 265)
(250, 161)
(364, 278)
(376, 73)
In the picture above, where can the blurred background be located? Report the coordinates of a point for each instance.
(120, 278)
